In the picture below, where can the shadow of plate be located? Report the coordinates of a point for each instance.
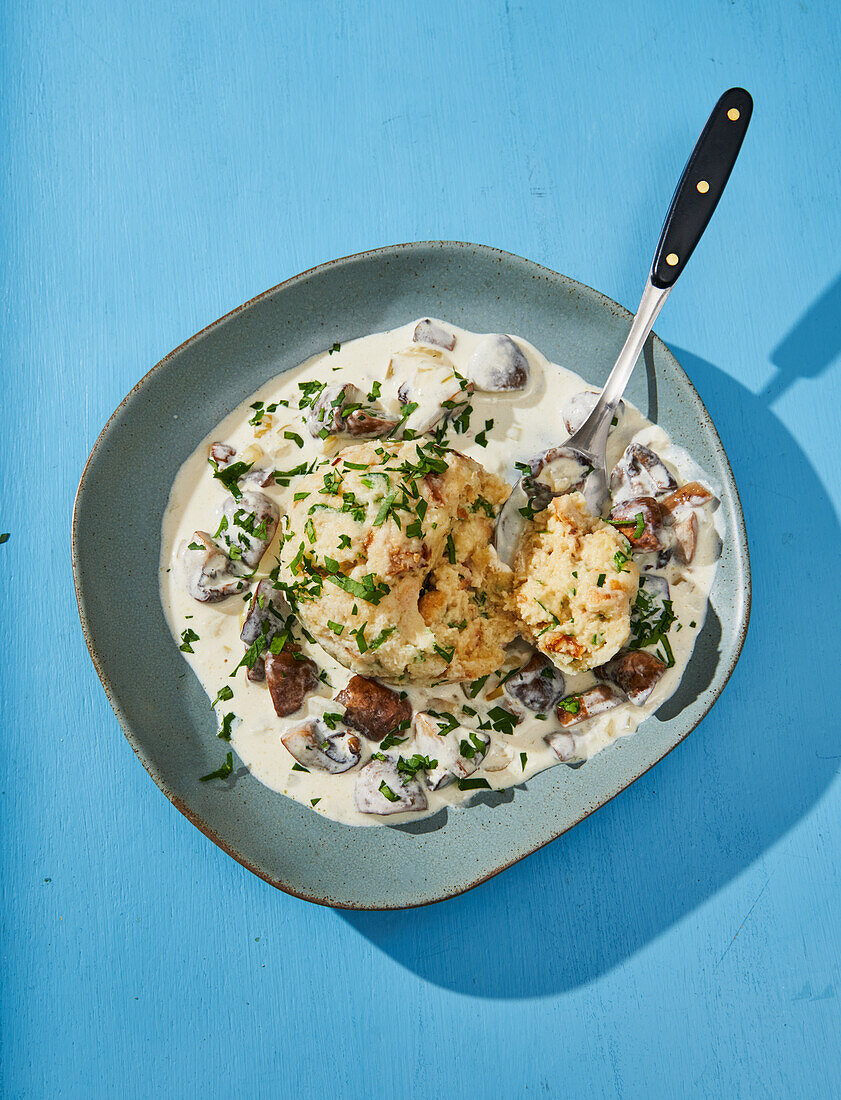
(624, 876)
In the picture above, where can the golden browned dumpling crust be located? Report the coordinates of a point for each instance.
(387, 555)
(574, 583)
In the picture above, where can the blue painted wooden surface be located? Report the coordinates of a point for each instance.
(163, 163)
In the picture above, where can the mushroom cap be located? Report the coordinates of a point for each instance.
(380, 789)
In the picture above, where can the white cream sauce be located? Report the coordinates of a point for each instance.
(525, 423)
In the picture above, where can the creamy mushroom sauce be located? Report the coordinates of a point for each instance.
(526, 422)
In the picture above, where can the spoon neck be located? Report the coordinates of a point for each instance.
(652, 301)
(591, 437)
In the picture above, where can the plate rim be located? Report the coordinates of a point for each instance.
(317, 269)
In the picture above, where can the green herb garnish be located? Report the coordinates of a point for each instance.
(388, 793)
(188, 636)
(222, 772)
(229, 475)
(474, 785)
(224, 694)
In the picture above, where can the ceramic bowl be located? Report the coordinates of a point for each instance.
(158, 701)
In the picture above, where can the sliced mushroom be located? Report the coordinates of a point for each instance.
(319, 748)
(498, 758)
(634, 671)
(561, 469)
(374, 709)
(260, 477)
(264, 619)
(207, 572)
(685, 527)
(380, 789)
(681, 508)
(431, 332)
(498, 364)
(425, 378)
(587, 704)
(457, 751)
(693, 495)
(640, 473)
(579, 407)
(367, 424)
(291, 677)
(221, 453)
(327, 413)
(251, 524)
(563, 746)
(625, 517)
(537, 686)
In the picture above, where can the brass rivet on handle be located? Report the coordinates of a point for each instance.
(671, 259)
(733, 114)
(702, 186)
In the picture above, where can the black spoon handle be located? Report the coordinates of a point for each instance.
(701, 185)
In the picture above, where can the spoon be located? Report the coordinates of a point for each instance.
(696, 197)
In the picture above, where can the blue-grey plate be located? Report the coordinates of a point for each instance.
(159, 703)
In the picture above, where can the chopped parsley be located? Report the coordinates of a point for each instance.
(223, 695)
(529, 511)
(450, 722)
(225, 729)
(650, 625)
(476, 686)
(408, 769)
(222, 772)
(502, 720)
(390, 740)
(383, 636)
(388, 793)
(474, 785)
(188, 636)
(481, 437)
(230, 475)
(480, 504)
(469, 747)
(369, 588)
(334, 347)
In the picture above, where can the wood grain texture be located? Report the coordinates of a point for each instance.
(163, 163)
